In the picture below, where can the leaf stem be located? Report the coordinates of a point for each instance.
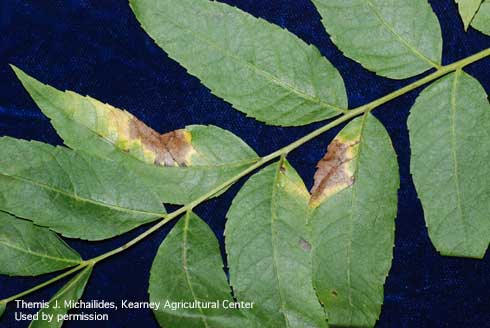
(262, 161)
(46, 283)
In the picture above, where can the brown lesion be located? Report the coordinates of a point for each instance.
(333, 171)
(170, 149)
(305, 245)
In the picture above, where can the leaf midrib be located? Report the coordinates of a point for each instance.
(217, 166)
(268, 76)
(351, 220)
(184, 265)
(273, 238)
(7, 244)
(80, 199)
(401, 38)
(454, 155)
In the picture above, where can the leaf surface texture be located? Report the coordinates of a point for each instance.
(481, 22)
(393, 38)
(29, 250)
(188, 267)
(268, 246)
(75, 194)
(467, 10)
(450, 139)
(261, 69)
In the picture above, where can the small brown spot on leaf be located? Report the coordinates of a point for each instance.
(334, 293)
(170, 149)
(333, 172)
(305, 245)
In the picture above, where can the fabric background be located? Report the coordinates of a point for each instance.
(97, 48)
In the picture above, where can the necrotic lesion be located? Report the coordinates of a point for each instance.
(335, 170)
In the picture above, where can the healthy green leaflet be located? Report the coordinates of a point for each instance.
(189, 259)
(394, 38)
(291, 83)
(29, 250)
(467, 10)
(72, 193)
(481, 21)
(448, 151)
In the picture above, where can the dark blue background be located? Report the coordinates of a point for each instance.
(97, 48)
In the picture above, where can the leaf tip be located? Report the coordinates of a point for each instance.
(18, 72)
(24, 78)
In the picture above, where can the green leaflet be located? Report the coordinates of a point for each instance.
(353, 224)
(268, 246)
(394, 38)
(71, 292)
(450, 139)
(481, 22)
(72, 193)
(3, 306)
(467, 10)
(178, 166)
(188, 268)
(262, 70)
(29, 250)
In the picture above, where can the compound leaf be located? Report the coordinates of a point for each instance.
(178, 166)
(467, 10)
(70, 293)
(355, 201)
(75, 194)
(188, 268)
(394, 38)
(450, 139)
(29, 250)
(268, 246)
(481, 22)
(262, 70)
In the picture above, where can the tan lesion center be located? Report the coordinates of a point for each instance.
(131, 135)
(170, 149)
(335, 171)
